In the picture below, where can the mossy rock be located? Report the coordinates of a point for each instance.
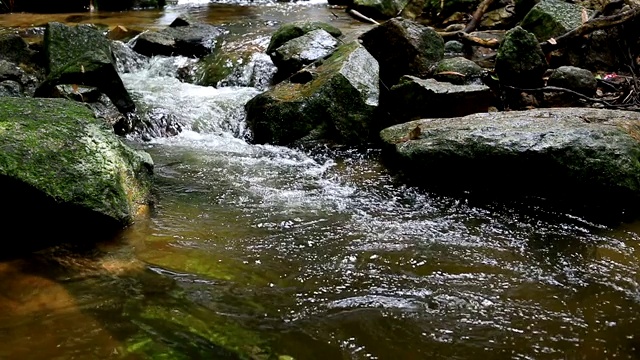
(296, 29)
(450, 70)
(338, 103)
(552, 18)
(60, 163)
(380, 9)
(82, 55)
(520, 61)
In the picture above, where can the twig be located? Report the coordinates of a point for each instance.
(477, 15)
(556, 88)
(361, 17)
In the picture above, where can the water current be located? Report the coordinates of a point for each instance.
(266, 252)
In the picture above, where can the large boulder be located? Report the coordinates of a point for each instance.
(303, 50)
(552, 18)
(403, 47)
(414, 98)
(338, 103)
(572, 156)
(296, 29)
(520, 61)
(380, 9)
(241, 67)
(64, 169)
(82, 55)
(183, 37)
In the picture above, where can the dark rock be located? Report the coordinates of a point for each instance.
(403, 47)
(502, 18)
(552, 18)
(379, 9)
(14, 49)
(339, 103)
(414, 98)
(520, 61)
(574, 78)
(61, 165)
(574, 156)
(296, 29)
(82, 55)
(18, 82)
(10, 88)
(194, 40)
(303, 50)
(448, 70)
(436, 9)
(454, 48)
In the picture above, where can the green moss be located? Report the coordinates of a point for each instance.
(60, 148)
(552, 18)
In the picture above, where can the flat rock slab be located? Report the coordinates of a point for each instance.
(573, 156)
(415, 98)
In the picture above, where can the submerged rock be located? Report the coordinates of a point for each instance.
(303, 50)
(414, 98)
(573, 156)
(63, 167)
(82, 55)
(403, 47)
(338, 102)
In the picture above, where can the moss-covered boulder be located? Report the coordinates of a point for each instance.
(380, 9)
(403, 47)
(82, 55)
(552, 18)
(303, 50)
(63, 168)
(241, 67)
(573, 156)
(337, 104)
(296, 29)
(520, 61)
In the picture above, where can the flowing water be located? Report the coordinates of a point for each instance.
(265, 252)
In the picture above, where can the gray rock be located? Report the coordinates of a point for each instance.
(403, 47)
(82, 55)
(10, 88)
(380, 9)
(574, 78)
(296, 29)
(453, 48)
(338, 103)
(575, 156)
(520, 61)
(448, 70)
(194, 40)
(552, 18)
(414, 98)
(303, 50)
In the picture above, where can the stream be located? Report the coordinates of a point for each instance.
(266, 252)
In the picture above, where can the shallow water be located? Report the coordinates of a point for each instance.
(262, 251)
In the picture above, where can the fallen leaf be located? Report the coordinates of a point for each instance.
(585, 15)
(552, 41)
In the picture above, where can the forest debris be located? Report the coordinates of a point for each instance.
(413, 135)
(477, 15)
(357, 15)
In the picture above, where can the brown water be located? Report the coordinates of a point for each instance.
(259, 251)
